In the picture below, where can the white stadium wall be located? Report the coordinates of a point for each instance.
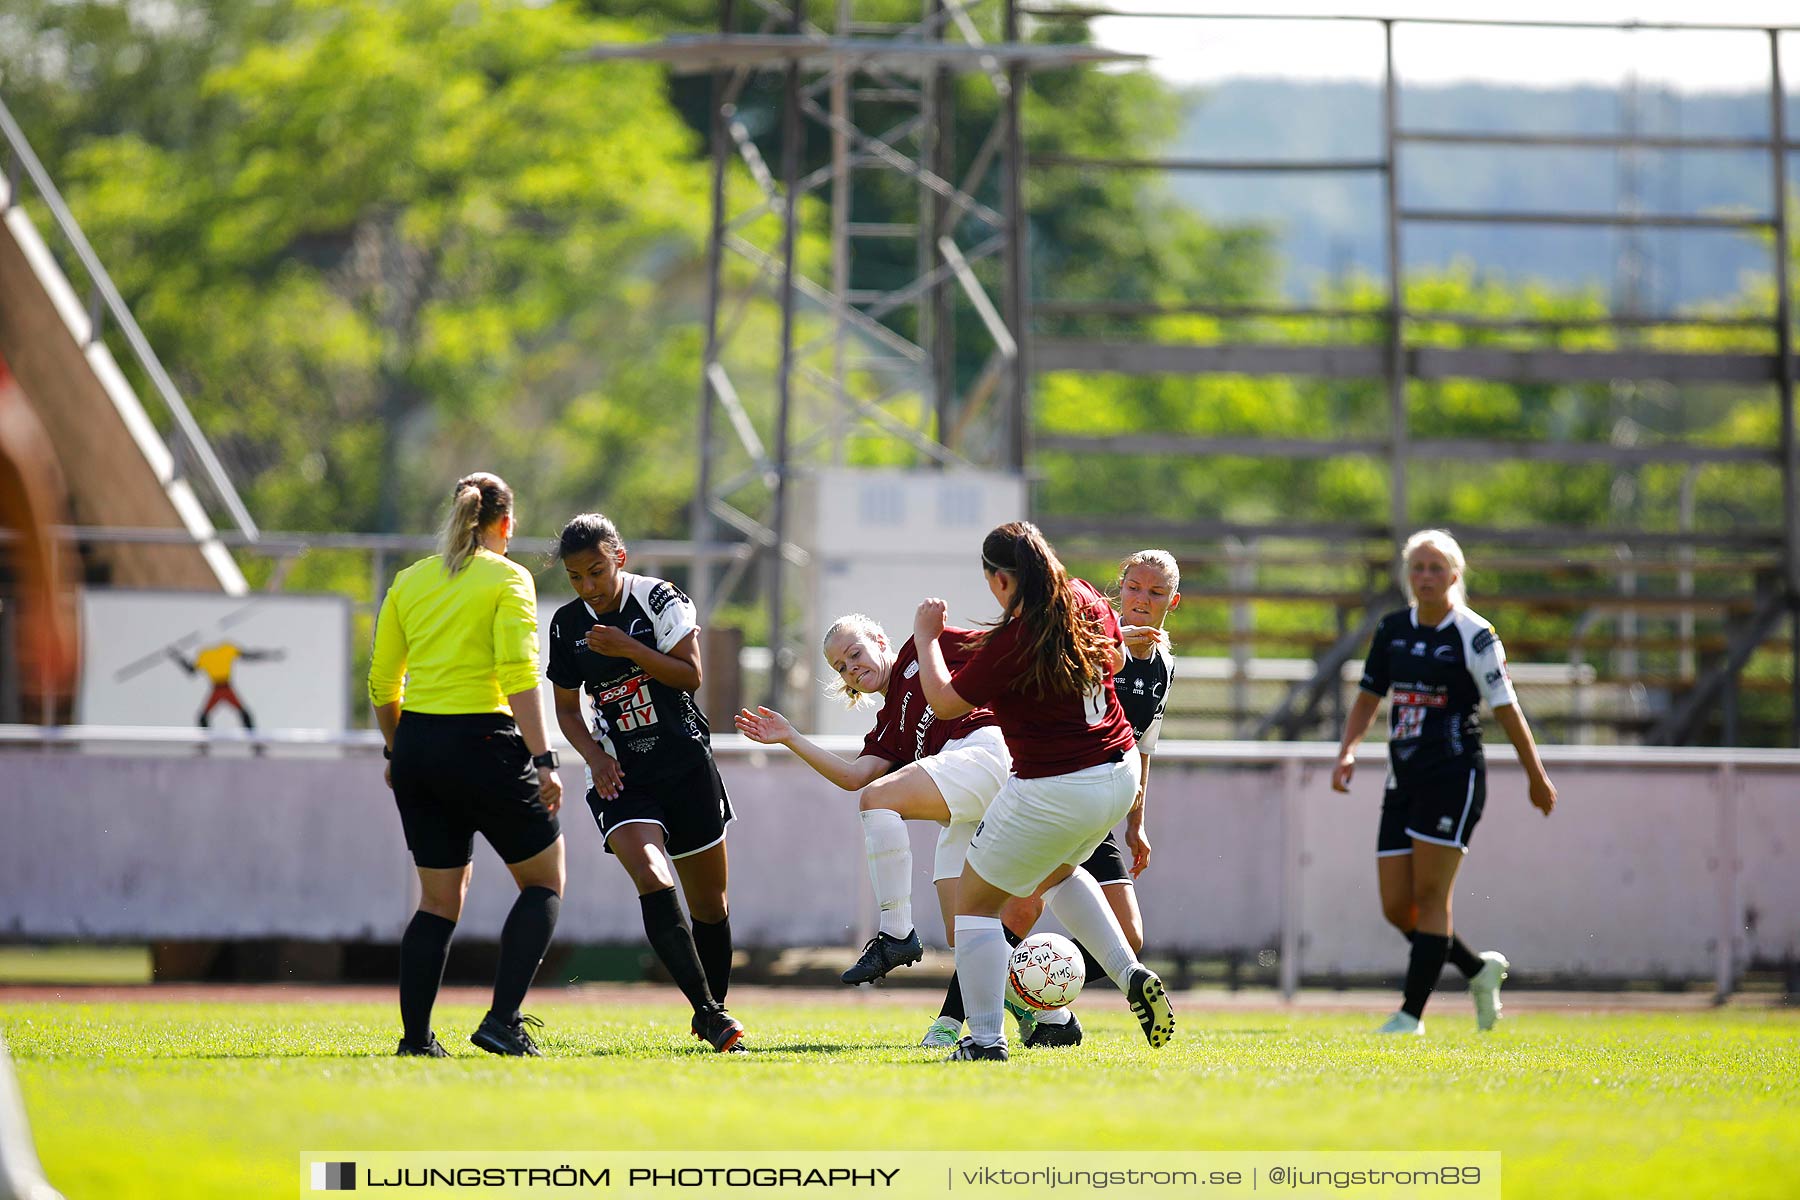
(1678, 865)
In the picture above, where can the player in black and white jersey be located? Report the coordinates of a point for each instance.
(1439, 659)
(1149, 589)
(633, 644)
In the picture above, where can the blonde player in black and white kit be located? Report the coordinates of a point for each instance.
(633, 643)
(913, 767)
(1047, 672)
(1440, 660)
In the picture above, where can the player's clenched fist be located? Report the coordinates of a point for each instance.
(928, 622)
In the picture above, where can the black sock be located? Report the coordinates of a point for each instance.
(667, 928)
(712, 940)
(523, 940)
(1423, 969)
(1012, 939)
(424, 947)
(1095, 972)
(1461, 957)
(953, 1004)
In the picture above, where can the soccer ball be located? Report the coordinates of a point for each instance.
(1046, 970)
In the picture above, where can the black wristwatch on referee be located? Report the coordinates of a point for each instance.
(548, 760)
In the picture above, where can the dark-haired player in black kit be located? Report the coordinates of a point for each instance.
(633, 643)
(1440, 660)
(1149, 589)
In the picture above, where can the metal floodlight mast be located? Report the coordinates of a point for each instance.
(846, 83)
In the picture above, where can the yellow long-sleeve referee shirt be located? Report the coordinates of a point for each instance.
(456, 645)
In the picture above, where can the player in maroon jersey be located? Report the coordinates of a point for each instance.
(1046, 671)
(913, 767)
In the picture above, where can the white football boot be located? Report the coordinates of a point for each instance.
(944, 1033)
(1484, 988)
(1403, 1022)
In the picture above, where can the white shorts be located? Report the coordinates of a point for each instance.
(969, 772)
(1036, 825)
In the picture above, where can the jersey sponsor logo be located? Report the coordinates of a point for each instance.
(618, 692)
(1444, 653)
(642, 745)
(1423, 699)
(663, 595)
(1418, 649)
(638, 625)
(1483, 640)
(912, 668)
(924, 729)
(1494, 677)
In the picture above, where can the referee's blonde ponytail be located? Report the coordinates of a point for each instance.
(477, 501)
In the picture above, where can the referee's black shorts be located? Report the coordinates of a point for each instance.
(459, 774)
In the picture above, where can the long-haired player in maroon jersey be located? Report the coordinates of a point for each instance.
(1046, 671)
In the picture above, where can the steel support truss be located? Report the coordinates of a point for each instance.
(882, 96)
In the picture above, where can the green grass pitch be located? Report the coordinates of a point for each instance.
(1580, 1104)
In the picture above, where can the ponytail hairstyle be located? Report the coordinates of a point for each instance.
(1441, 541)
(588, 531)
(476, 502)
(1067, 651)
(854, 624)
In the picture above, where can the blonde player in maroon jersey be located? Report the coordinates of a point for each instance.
(1047, 672)
(913, 767)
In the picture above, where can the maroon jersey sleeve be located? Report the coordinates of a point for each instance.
(984, 675)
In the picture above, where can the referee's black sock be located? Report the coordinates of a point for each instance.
(712, 940)
(424, 948)
(1423, 969)
(667, 928)
(1461, 957)
(523, 940)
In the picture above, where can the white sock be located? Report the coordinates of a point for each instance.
(1079, 904)
(981, 956)
(1054, 1016)
(890, 868)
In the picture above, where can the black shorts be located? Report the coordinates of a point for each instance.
(459, 774)
(1107, 863)
(692, 809)
(1442, 808)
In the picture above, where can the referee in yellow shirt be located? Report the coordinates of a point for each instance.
(468, 753)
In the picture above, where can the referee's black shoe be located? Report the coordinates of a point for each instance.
(431, 1049)
(1149, 1002)
(510, 1038)
(883, 954)
(1066, 1034)
(718, 1028)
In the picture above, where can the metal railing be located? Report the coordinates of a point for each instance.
(105, 301)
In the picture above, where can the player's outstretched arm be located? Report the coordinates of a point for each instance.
(1362, 715)
(770, 728)
(1543, 792)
